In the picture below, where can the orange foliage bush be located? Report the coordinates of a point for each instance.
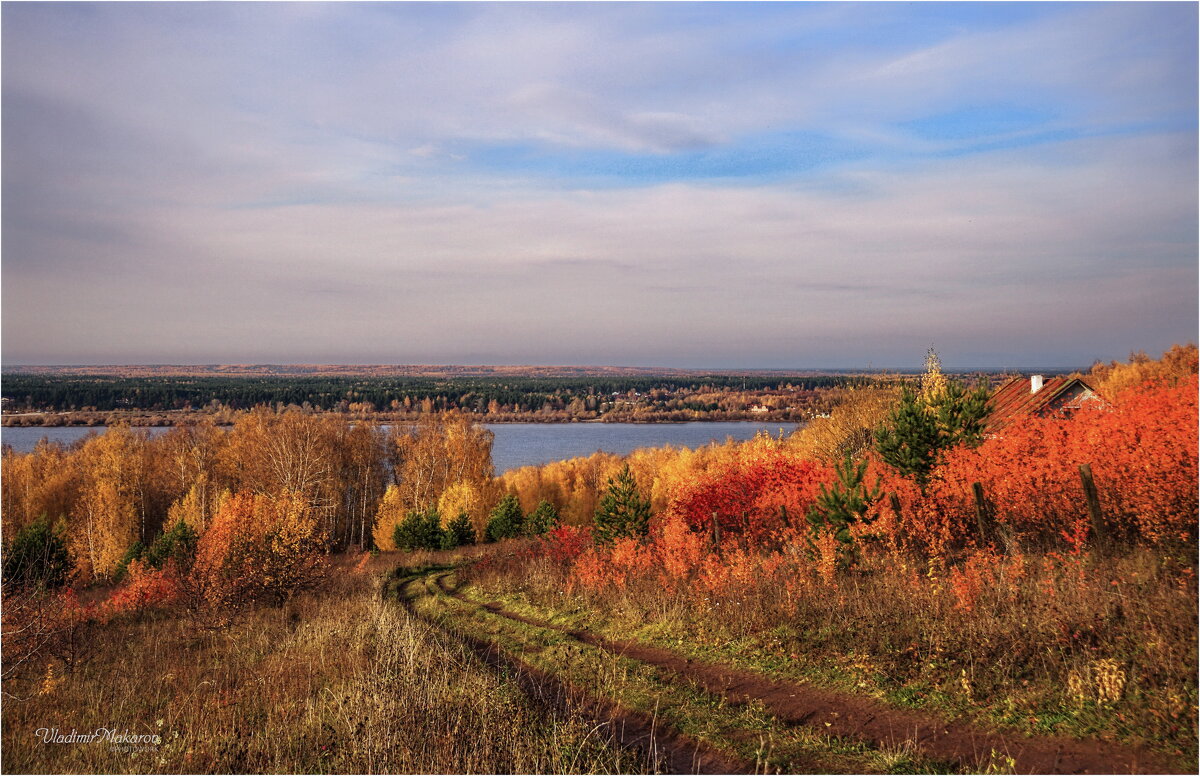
(566, 543)
(678, 549)
(1142, 451)
(146, 587)
(628, 559)
(257, 547)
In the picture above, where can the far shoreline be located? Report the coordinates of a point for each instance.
(135, 419)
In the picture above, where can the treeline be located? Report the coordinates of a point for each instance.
(578, 396)
(853, 429)
(108, 497)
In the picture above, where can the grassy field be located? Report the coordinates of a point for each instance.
(339, 680)
(427, 662)
(744, 732)
(1101, 649)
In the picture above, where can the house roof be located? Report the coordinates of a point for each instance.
(1013, 399)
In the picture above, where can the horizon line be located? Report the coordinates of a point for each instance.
(413, 365)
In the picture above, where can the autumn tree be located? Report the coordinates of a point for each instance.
(362, 478)
(388, 515)
(849, 427)
(105, 519)
(462, 498)
(440, 452)
(272, 453)
(192, 455)
(44, 481)
(257, 547)
(196, 507)
(1179, 362)
(222, 577)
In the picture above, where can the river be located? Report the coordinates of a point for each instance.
(517, 444)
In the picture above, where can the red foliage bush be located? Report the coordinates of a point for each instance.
(753, 501)
(566, 543)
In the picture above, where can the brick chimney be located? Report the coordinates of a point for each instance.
(1035, 383)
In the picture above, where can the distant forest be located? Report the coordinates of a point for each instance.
(582, 395)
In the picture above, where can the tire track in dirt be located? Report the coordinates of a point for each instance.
(675, 752)
(865, 719)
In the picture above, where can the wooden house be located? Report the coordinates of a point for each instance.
(1037, 395)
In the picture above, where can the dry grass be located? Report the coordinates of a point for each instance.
(335, 681)
(747, 731)
(1099, 646)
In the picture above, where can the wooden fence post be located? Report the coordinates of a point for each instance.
(894, 500)
(716, 533)
(981, 514)
(1093, 501)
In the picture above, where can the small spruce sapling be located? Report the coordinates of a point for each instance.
(37, 556)
(419, 531)
(923, 426)
(909, 440)
(178, 544)
(136, 551)
(847, 503)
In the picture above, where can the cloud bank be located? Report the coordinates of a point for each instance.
(678, 184)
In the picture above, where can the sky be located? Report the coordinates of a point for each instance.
(711, 185)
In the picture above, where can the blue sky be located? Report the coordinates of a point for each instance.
(677, 184)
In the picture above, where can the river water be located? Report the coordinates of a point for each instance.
(517, 444)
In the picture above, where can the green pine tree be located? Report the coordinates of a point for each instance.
(921, 428)
(136, 551)
(419, 530)
(459, 531)
(506, 520)
(179, 544)
(909, 440)
(623, 511)
(846, 503)
(541, 519)
(37, 557)
(962, 414)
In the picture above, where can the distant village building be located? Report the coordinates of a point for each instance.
(759, 408)
(1037, 395)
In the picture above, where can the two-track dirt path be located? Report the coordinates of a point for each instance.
(865, 719)
(672, 751)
